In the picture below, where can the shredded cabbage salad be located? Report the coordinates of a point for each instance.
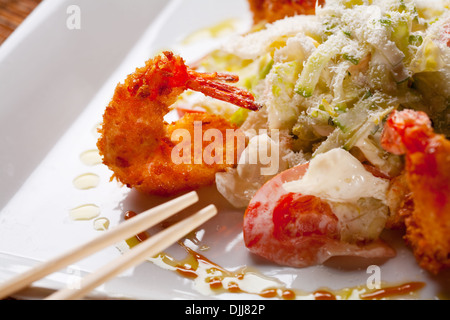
(330, 80)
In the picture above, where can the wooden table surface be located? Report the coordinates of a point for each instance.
(12, 13)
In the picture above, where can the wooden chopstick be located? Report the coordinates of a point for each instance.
(136, 255)
(121, 232)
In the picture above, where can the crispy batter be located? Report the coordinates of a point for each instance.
(428, 176)
(400, 202)
(136, 142)
(272, 10)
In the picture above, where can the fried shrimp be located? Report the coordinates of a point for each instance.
(272, 10)
(298, 230)
(428, 176)
(135, 140)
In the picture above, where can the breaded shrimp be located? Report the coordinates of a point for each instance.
(399, 200)
(135, 140)
(297, 230)
(272, 10)
(428, 177)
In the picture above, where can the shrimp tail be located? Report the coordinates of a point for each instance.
(168, 71)
(207, 84)
(407, 131)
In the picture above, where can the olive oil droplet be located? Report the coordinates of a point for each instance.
(91, 157)
(85, 212)
(86, 181)
(101, 224)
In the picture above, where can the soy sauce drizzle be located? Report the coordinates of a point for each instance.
(323, 295)
(220, 279)
(189, 268)
(141, 236)
(403, 289)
